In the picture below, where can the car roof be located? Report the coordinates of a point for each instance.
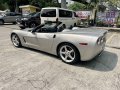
(57, 8)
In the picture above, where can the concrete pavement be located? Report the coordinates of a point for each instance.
(114, 29)
(28, 69)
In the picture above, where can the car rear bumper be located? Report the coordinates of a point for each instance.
(93, 52)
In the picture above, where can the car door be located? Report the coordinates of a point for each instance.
(66, 17)
(45, 41)
(9, 18)
(30, 40)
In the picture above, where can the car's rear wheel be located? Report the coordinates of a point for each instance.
(1, 22)
(68, 53)
(15, 40)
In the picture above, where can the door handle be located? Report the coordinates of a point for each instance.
(54, 36)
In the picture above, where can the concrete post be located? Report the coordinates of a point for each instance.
(63, 4)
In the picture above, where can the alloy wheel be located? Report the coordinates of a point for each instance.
(67, 53)
(15, 40)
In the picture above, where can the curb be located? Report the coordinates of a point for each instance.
(109, 29)
(116, 47)
(113, 30)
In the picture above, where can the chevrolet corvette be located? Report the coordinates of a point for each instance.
(71, 45)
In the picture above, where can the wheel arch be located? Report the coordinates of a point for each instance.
(2, 20)
(67, 43)
(12, 34)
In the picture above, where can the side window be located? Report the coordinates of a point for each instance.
(48, 13)
(65, 13)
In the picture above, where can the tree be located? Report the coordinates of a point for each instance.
(2, 6)
(115, 3)
(77, 6)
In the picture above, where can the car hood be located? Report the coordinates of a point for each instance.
(86, 31)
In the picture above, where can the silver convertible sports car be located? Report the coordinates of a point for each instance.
(71, 45)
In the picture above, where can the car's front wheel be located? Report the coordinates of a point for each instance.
(1, 22)
(15, 40)
(68, 53)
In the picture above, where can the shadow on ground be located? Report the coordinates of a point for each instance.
(8, 25)
(42, 52)
(107, 61)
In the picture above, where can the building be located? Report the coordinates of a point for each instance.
(26, 9)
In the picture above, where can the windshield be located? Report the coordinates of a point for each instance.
(49, 25)
(37, 14)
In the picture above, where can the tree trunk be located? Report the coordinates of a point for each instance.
(58, 3)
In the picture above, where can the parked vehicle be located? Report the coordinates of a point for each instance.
(9, 17)
(67, 17)
(31, 20)
(71, 45)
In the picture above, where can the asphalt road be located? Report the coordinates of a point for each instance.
(28, 69)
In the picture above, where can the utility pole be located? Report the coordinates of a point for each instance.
(16, 6)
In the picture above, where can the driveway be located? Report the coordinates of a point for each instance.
(28, 69)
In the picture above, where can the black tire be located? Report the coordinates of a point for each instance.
(76, 53)
(14, 22)
(12, 39)
(75, 24)
(63, 26)
(32, 25)
(1, 22)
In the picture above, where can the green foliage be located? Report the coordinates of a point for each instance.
(77, 6)
(11, 4)
(114, 2)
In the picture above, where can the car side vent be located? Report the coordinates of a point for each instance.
(24, 40)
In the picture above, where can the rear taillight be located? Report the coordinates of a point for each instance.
(101, 40)
(83, 44)
(98, 41)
